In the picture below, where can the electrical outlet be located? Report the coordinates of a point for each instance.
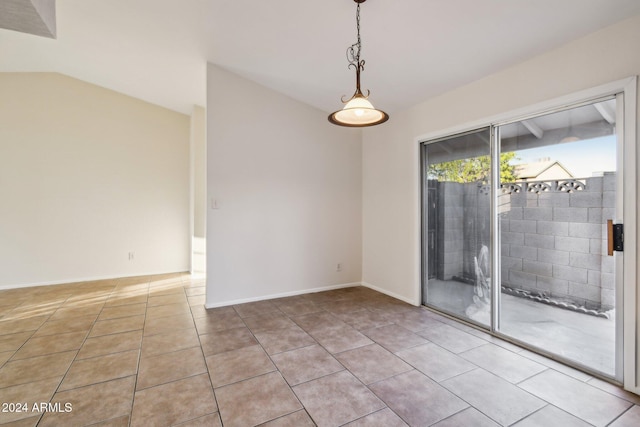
(339, 266)
(131, 256)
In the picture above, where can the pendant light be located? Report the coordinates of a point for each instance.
(358, 111)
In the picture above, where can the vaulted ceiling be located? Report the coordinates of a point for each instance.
(157, 50)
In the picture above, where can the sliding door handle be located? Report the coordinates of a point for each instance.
(615, 237)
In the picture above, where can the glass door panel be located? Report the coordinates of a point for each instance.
(456, 197)
(558, 187)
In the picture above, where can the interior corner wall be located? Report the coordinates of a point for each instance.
(198, 190)
(88, 176)
(199, 169)
(391, 211)
(284, 195)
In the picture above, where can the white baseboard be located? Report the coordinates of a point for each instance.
(391, 294)
(87, 279)
(281, 295)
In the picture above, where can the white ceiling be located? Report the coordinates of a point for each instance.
(157, 50)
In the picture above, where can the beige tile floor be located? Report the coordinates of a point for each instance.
(144, 352)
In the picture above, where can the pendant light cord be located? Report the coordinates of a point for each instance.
(358, 28)
(353, 51)
(353, 56)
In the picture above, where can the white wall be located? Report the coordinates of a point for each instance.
(390, 155)
(198, 190)
(288, 188)
(390, 152)
(88, 175)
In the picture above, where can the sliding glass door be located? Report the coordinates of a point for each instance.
(558, 282)
(519, 232)
(457, 237)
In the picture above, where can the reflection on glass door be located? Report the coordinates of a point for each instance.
(456, 236)
(558, 188)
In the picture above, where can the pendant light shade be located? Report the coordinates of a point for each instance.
(358, 110)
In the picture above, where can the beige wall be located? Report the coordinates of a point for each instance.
(391, 226)
(88, 175)
(288, 188)
(199, 169)
(198, 190)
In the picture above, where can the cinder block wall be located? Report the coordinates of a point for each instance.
(554, 242)
(451, 228)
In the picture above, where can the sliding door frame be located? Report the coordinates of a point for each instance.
(424, 198)
(626, 91)
(619, 265)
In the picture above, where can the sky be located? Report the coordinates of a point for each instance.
(581, 158)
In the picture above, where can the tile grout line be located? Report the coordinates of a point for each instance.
(276, 366)
(619, 416)
(344, 367)
(206, 365)
(57, 390)
(217, 411)
(135, 383)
